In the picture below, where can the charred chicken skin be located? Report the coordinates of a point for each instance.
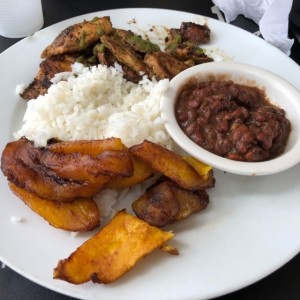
(48, 68)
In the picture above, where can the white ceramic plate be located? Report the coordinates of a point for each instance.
(250, 229)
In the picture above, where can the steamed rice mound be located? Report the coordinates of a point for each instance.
(96, 103)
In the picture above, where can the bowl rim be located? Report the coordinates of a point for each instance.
(283, 162)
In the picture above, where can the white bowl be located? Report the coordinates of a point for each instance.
(279, 91)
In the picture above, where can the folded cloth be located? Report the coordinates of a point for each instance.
(272, 17)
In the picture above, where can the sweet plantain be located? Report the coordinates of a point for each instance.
(81, 214)
(169, 164)
(111, 252)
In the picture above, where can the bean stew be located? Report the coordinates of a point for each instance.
(232, 120)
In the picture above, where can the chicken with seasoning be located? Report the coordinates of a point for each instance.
(78, 37)
(98, 42)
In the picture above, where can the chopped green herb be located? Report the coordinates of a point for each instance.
(99, 48)
(171, 47)
(95, 19)
(82, 40)
(143, 46)
(199, 51)
(177, 38)
(80, 59)
(92, 60)
(100, 31)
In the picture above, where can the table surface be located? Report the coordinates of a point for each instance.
(282, 284)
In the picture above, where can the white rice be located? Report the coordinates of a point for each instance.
(96, 103)
(16, 219)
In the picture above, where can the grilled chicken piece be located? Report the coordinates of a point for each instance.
(78, 36)
(130, 74)
(137, 42)
(163, 65)
(189, 53)
(34, 89)
(183, 43)
(48, 68)
(195, 33)
(106, 58)
(123, 52)
(173, 38)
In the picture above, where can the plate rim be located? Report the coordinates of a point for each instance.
(62, 290)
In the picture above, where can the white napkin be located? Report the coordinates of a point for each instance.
(272, 16)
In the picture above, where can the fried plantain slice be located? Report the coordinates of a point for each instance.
(157, 206)
(166, 202)
(112, 252)
(90, 147)
(204, 170)
(81, 214)
(190, 202)
(77, 166)
(17, 166)
(169, 164)
(78, 36)
(141, 172)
